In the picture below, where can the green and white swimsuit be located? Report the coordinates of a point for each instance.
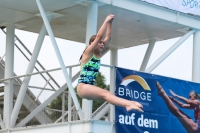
(89, 71)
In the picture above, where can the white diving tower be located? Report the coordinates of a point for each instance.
(136, 22)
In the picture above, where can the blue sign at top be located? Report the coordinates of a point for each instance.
(170, 105)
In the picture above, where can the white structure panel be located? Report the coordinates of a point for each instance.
(158, 12)
(144, 21)
(72, 127)
(31, 6)
(13, 16)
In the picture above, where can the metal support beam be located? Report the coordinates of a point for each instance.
(113, 57)
(42, 106)
(20, 42)
(113, 62)
(69, 83)
(70, 99)
(26, 80)
(196, 57)
(9, 72)
(63, 106)
(147, 55)
(112, 90)
(169, 51)
(92, 14)
(91, 30)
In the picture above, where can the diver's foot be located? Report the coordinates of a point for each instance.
(160, 89)
(134, 106)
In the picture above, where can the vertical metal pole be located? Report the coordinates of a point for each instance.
(63, 107)
(196, 57)
(169, 51)
(113, 57)
(113, 62)
(112, 90)
(26, 80)
(92, 14)
(9, 72)
(50, 32)
(91, 30)
(147, 55)
(74, 114)
(70, 99)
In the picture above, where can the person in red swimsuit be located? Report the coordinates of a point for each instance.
(191, 103)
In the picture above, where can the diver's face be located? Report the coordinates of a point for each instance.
(192, 96)
(100, 46)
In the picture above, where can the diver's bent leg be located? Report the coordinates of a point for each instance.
(92, 92)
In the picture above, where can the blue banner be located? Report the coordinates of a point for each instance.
(170, 105)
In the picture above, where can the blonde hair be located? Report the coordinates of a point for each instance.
(195, 93)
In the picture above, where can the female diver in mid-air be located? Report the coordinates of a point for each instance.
(90, 64)
(191, 103)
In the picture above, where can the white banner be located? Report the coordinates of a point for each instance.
(186, 6)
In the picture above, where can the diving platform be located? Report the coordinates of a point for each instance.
(137, 22)
(91, 126)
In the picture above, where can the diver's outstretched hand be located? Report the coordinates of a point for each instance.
(110, 18)
(171, 98)
(173, 94)
(134, 106)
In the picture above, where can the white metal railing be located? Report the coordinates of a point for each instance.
(31, 74)
(49, 87)
(62, 115)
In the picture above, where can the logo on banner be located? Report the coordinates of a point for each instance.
(143, 94)
(127, 80)
(191, 3)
